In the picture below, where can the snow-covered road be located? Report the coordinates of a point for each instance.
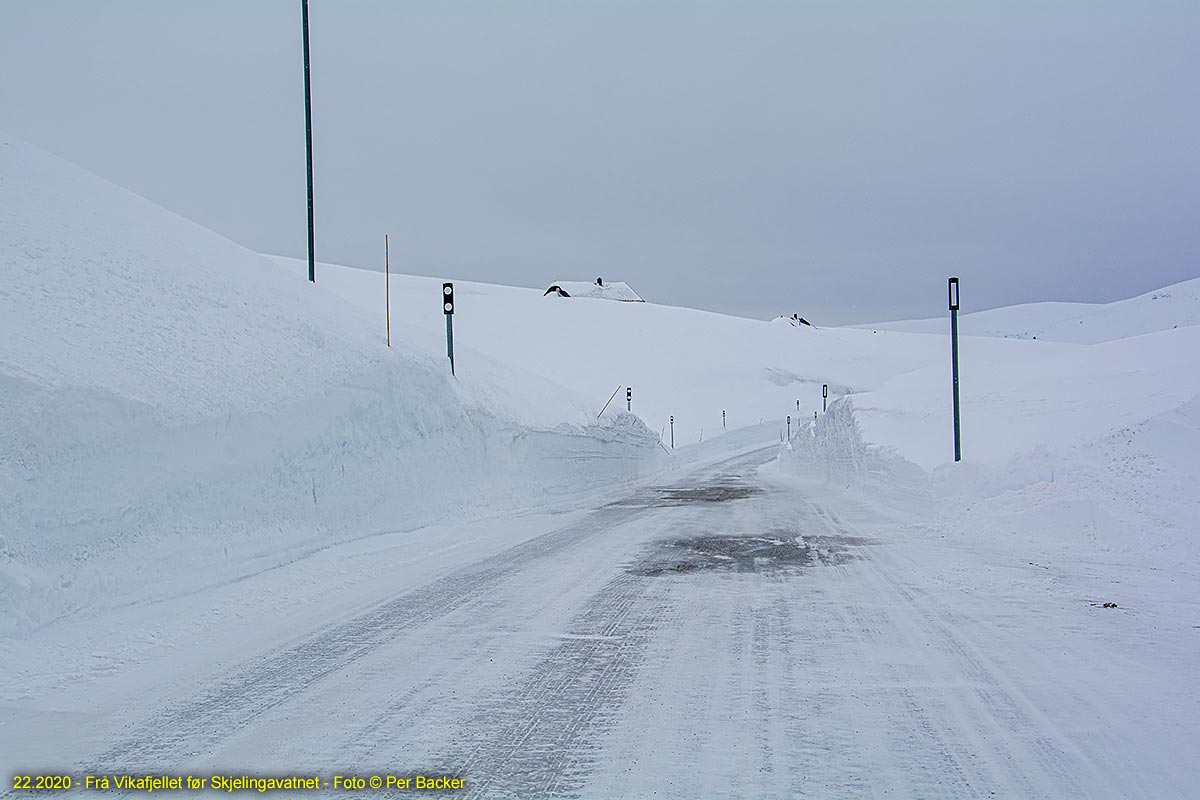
(734, 633)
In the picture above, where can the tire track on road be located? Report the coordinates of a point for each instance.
(985, 697)
(195, 727)
(540, 739)
(190, 730)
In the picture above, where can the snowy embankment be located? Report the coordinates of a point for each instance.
(1082, 448)
(177, 411)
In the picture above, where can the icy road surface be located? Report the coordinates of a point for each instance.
(730, 634)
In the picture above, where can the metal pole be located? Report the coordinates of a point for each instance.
(450, 341)
(610, 399)
(824, 397)
(387, 291)
(312, 262)
(953, 291)
(672, 431)
(722, 419)
(789, 425)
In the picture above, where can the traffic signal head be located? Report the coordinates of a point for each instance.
(953, 286)
(448, 298)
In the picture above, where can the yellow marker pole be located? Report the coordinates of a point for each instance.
(387, 291)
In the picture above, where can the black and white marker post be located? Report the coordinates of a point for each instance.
(672, 431)
(629, 398)
(722, 418)
(789, 426)
(448, 307)
(953, 287)
(824, 397)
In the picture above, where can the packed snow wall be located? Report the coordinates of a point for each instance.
(177, 411)
(831, 449)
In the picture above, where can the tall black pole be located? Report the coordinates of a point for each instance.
(312, 263)
(953, 288)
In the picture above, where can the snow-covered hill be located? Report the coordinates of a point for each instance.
(680, 362)
(1017, 395)
(1175, 306)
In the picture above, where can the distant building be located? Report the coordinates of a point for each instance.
(617, 290)
(796, 320)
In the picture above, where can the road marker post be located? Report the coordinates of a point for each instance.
(953, 291)
(448, 308)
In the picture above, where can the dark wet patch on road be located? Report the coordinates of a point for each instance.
(667, 496)
(774, 552)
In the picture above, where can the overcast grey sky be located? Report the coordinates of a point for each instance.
(835, 159)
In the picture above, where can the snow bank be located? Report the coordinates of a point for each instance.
(831, 449)
(1130, 492)
(1093, 449)
(177, 411)
(1034, 395)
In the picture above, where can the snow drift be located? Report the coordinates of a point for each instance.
(831, 449)
(176, 410)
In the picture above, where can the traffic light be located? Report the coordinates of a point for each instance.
(448, 298)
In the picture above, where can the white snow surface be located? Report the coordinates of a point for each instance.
(178, 411)
(1175, 306)
(217, 480)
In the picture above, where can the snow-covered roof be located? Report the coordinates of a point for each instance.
(615, 290)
